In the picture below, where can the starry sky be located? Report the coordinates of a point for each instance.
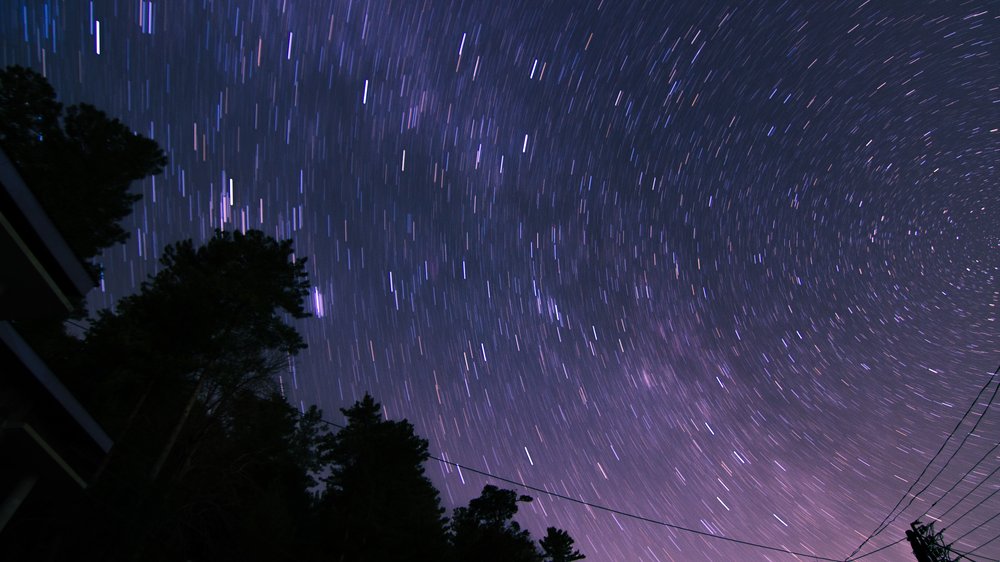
(727, 265)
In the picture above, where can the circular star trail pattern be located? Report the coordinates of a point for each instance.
(726, 265)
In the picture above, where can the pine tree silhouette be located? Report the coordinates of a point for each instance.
(379, 504)
(558, 546)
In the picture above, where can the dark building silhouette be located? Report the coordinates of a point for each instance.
(50, 446)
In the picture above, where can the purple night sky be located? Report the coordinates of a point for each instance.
(727, 265)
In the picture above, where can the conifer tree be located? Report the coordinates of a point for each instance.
(558, 546)
(79, 163)
(379, 504)
(173, 371)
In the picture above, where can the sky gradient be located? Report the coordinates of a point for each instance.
(728, 265)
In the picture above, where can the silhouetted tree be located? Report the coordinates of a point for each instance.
(243, 495)
(209, 462)
(79, 163)
(486, 532)
(379, 505)
(209, 324)
(175, 368)
(557, 546)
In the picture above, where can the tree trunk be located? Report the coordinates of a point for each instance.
(118, 438)
(176, 433)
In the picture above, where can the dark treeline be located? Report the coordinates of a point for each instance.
(209, 460)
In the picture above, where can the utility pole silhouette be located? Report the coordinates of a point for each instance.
(927, 545)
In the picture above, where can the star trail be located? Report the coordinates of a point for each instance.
(728, 265)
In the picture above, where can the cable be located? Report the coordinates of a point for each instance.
(637, 517)
(886, 521)
(972, 508)
(977, 527)
(968, 556)
(960, 554)
(969, 493)
(987, 542)
(955, 452)
(867, 554)
(618, 511)
(962, 479)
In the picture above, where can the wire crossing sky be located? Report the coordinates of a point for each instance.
(730, 265)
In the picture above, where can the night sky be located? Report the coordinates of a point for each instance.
(727, 265)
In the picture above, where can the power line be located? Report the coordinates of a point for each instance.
(987, 542)
(637, 517)
(881, 527)
(973, 508)
(618, 511)
(976, 528)
(957, 449)
(968, 556)
(969, 493)
(962, 479)
(886, 520)
(867, 554)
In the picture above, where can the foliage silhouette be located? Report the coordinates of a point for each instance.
(485, 530)
(558, 546)
(209, 324)
(209, 461)
(79, 163)
(173, 371)
(246, 477)
(378, 503)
